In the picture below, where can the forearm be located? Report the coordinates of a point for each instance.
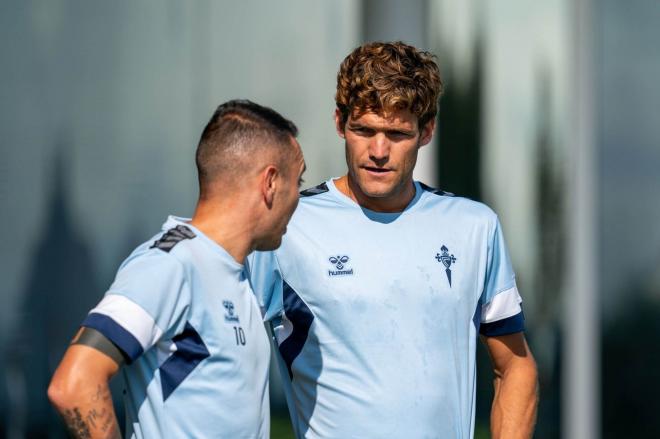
(87, 410)
(513, 414)
(80, 393)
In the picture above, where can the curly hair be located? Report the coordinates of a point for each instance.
(385, 76)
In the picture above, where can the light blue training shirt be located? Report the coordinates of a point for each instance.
(182, 311)
(377, 315)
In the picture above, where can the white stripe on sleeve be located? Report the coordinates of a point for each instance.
(503, 305)
(131, 317)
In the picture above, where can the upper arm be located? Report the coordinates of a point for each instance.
(82, 366)
(148, 300)
(508, 350)
(86, 362)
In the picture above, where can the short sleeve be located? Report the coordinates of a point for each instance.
(148, 299)
(501, 312)
(266, 282)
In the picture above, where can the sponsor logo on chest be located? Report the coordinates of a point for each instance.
(339, 266)
(230, 313)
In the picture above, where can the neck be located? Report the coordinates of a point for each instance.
(228, 224)
(396, 201)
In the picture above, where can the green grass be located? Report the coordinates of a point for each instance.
(481, 431)
(280, 427)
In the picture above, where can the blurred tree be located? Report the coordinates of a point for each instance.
(459, 132)
(544, 337)
(60, 290)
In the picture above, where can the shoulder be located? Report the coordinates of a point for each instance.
(317, 206)
(316, 190)
(153, 278)
(165, 251)
(315, 198)
(435, 191)
(167, 240)
(461, 207)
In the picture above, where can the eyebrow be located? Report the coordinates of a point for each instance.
(401, 130)
(357, 125)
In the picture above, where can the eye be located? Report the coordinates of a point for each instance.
(363, 131)
(300, 181)
(399, 135)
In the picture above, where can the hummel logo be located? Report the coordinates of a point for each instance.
(229, 308)
(340, 263)
(446, 260)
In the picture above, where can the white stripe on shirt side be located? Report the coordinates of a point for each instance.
(503, 305)
(130, 316)
(164, 350)
(284, 330)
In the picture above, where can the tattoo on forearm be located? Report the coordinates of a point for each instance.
(102, 394)
(76, 424)
(100, 418)
(109, 426)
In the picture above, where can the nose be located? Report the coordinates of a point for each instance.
(379, 149)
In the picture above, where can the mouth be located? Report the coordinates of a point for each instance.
(376, 171)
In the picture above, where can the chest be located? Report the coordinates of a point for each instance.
(225, 307)
(416, 273)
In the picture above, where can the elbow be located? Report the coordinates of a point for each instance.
(57, 394)
(61, 390)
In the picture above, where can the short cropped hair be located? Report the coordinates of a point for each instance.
(239, 132)
(381, 77)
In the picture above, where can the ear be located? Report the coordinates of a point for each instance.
(427, 132)
(269, 181)
(339, 124)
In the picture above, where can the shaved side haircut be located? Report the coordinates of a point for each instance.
(239, 136)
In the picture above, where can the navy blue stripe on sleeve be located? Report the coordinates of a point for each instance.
(510, 325)
(123, 339)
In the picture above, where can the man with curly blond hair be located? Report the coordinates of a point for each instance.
(383, 284)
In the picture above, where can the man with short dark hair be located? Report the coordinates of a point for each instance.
(383, 284)
(180, 319)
